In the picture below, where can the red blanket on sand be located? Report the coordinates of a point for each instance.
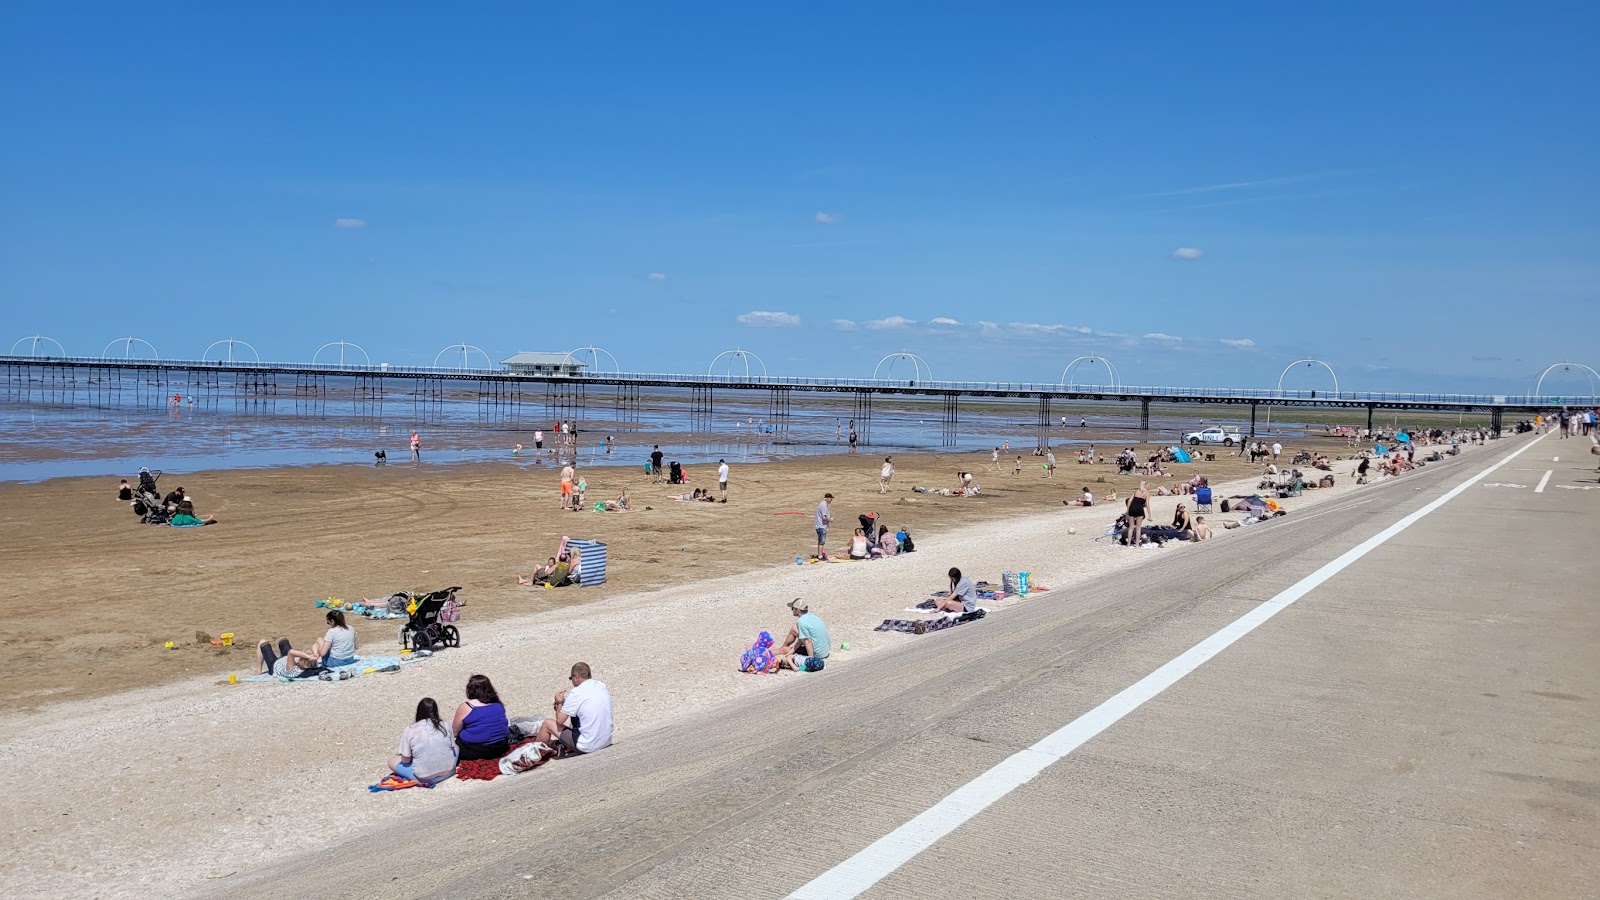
(484, 769)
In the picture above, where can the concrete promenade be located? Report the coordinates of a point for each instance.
(1424, 723)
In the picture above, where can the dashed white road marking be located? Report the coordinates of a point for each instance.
(1543, 481)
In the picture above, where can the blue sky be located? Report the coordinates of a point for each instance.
(1199, 193)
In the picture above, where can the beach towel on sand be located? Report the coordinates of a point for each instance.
(360, 666)
(393, 782)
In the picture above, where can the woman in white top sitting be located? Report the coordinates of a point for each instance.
(337, 647)
(427, 750)
(858, 545)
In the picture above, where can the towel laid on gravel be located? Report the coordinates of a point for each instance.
(909, 626)
(490, 769)
(393, 782)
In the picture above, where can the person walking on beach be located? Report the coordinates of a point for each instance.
(416, 447)
(722, 479)
(822, 520)
(884, 474)
(994, 459)
(1050, 463)
(655, 464)
(1277, 451)
(538, 442)
(854, 437)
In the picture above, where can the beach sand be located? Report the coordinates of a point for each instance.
(194, 779)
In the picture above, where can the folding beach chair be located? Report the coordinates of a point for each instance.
(1202, 499)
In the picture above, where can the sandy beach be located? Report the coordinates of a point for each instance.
(229, 782)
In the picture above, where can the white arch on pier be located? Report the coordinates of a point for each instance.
(1091, 359)
(341, 345)
(592, 363)
(127, 348)
(920, 370)
(33, 341)
(231, 343)
(1591, 374)
(736, 354)
(1308, 363)
(466, 351)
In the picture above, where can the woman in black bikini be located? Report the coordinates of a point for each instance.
(1137, 507)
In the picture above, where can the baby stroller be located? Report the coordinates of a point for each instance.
(147, 503)
(430, 626)
(674, 474)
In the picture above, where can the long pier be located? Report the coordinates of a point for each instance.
(105, 382)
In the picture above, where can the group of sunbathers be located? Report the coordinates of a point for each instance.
(559, 571)
(176, 508)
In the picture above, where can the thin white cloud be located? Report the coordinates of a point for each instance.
(1041, 328)
(1240, 343)
(1186, 253)
(349, 223)
(1158, 336)
(761, 318)
(656, 276)
(1238, 185)
(890, 323)
(943, 320)
(844, 324)
(827, 218)
(988, 328)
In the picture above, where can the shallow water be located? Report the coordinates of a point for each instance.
(79, 434)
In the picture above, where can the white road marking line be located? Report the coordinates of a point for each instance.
(1543, 481)
(884, 856)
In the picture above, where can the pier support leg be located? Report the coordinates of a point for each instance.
(1495, 423)
(1042, 422)
(1144, 414)
(863, 416)
(1370, 408)
(1252, 421)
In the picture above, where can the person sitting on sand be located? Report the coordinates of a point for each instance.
(427, 749)
(282, 660)
(338, 646)
(1109, 498)
(887, 544)
(1181, 519)
(539, 573)
(480, 725)
(620, 504)
(582, 715)
(124, 492)
(184, 516)
(858, 545)
(560, 569)
(963, 597)
(1085, 499)
(172, 500)
(807, 643)
(1202, 531)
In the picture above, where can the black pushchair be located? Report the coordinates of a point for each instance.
(675, 474)
(147, 503)
(430, 626)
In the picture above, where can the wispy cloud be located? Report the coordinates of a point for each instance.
(1240, 343)
(1238, 185)
(891, 322)
(988, 329)
(349, 223)
(1187, 253)
(844, 324)
(1158, 336)
(656, 276)
(827, 218)
(943, 320)
(1041, 328)
(761, 318)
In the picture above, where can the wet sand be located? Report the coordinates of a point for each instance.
(105, 593)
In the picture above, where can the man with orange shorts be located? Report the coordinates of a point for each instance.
(567, 474)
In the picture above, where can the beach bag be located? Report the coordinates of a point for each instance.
(759, 657)
(906, 546)
(1010, 583)
(397, 603)
(450, 611)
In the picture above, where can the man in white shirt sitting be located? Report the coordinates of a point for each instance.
(582, 721)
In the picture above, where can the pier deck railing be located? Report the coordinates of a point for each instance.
(878, 385)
